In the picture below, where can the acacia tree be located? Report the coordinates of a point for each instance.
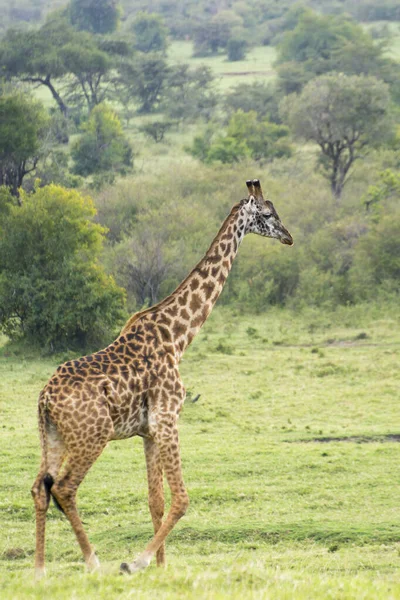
(36, 56)
(142, 79)
(22, 128)
(345, 116)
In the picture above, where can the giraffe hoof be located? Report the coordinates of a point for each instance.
(40, 572)
(139, 564)
(124, 568)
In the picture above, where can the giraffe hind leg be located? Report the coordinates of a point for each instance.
(41, 491)
(79, 458)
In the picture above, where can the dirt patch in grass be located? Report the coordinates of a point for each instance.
(356, 439)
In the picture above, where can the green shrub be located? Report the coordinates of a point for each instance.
(53, 291)
(102, 145)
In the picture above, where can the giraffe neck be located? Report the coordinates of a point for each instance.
(187, 308)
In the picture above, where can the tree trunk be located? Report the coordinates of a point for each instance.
(61, 104)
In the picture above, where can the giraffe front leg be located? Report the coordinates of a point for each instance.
(156, 491)
(168, 446)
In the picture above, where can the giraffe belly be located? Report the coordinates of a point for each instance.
(130, 417)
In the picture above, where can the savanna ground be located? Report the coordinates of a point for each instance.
(290, 456)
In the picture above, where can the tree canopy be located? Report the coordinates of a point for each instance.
(102, 146)
(344, 115)
(23, 122)
(53, 290)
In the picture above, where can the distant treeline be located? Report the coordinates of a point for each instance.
(183, 17)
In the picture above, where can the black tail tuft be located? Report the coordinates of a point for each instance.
(48, 484)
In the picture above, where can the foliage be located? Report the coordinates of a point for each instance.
(46, 55)
(143, 79)
(89, 65)
(344, 115)
(262, 98)
(150, 33)
(211, 36)
(236, 47)
(23, 124)
(376, 263)
(96, 16)
(156, 130)
(323, 43)
(189, 93)
(52, 289)
(387, 187)
(245, 136)
(36, 56)
(102, 145)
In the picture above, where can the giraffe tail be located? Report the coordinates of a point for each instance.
(47, 479)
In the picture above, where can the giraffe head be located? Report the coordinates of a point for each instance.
(262, 216)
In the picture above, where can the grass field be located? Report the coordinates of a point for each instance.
(258, 64)
(290, 457)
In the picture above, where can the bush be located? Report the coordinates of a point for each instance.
(53, 292)
(377, 259)
(102, 146)
(245, 137)
(237, 47)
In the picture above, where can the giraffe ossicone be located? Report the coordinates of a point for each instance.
(133, 387)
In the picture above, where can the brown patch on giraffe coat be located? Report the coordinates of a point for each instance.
(214, 258)
(183, 298)
(204, 273)
(195, 303)
(194, 284)
(178, 328)
(184, 314)
(208, 288)
(172, 310)
(201, 318)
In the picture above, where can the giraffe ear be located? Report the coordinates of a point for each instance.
(257, 189)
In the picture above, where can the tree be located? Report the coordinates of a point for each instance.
(96, 16)
(53, 291)
(211, 36)
(237, 46)
(81, 62)
(102, 146)
(345, 116)
(89, 65)
(323, 43)
(150, 33)
(23, 123)
(36, 56)
(143, 79)
(156, 130)
(189, 94)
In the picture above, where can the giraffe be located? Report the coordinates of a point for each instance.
(133, 387)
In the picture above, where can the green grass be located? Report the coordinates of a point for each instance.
(257, 66)
(274, 513)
